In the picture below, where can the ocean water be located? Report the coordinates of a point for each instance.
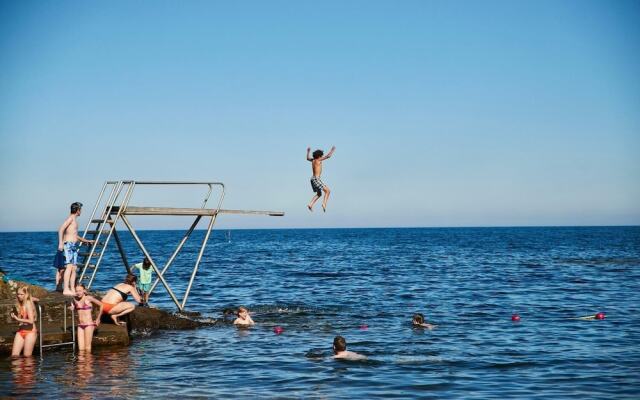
(316, 284)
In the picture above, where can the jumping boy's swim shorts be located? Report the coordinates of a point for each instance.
(317, 185)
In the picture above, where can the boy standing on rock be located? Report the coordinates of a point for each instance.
(68, 242)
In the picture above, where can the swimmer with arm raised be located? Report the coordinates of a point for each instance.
(244, 319)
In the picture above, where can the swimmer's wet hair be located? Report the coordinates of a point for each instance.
(242, 308)
(339, 343)
(418, 319)
(318, 154)
(81, 285)
(146, 263)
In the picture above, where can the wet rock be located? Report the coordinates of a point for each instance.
(55, 309)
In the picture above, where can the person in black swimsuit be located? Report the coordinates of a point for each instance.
(115, 301)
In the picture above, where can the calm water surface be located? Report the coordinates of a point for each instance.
(320, 283)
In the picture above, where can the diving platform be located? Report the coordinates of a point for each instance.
(113, 208)
(190, 211)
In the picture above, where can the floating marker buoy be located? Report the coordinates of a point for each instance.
(278, 330)
(600, 315)
(515, 318)
(364, 327)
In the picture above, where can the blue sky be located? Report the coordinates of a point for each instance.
(443, 113)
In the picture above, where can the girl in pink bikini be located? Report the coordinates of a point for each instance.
(25, 338)
(86, 324)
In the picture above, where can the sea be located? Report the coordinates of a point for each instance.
(365, 285)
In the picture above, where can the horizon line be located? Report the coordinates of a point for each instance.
(374, 227)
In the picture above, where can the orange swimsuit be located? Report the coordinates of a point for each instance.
(25, 332)
(106, 307)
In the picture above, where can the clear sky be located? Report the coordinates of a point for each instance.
(452, 113)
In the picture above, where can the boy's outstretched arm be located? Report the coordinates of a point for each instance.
(333, 148)
(308, 152)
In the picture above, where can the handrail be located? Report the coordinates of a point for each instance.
(64, 329)
(112, 198)
(127, 196)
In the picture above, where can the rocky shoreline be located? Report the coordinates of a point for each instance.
(52, 304)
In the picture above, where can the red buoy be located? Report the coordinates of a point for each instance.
(515, 318)
(600, 315)
(278, 330)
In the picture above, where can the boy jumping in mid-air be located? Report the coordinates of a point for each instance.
(316, 183)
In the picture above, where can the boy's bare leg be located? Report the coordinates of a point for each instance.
(72, 279)
(327, 192)
(313, 201)
(65, 283)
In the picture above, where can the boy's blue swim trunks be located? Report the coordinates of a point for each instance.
(71, 253)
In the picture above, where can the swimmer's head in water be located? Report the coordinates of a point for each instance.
(317, 154)
(130, 279)
(418, 319)
(339, 344)
(146, 263)
(242, 310)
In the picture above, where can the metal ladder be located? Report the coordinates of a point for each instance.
(41, 332)
(102, 226)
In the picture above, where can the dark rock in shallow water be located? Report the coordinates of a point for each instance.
(145, 318)
(52, 304)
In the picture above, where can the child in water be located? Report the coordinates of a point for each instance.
(25, 315)
(418, 322)
(340, 350)
(244, 319)
(86, 324)
(144, 283)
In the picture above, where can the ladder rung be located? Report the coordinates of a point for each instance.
(88, 253)
(90, 266)
(99, 221)
(93, 232)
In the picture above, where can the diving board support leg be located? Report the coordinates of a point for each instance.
(121, 250)
(195, 269)
(153, 264)
(175, 253)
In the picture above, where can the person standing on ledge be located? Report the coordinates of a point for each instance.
(316, 182)
(68, 242)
